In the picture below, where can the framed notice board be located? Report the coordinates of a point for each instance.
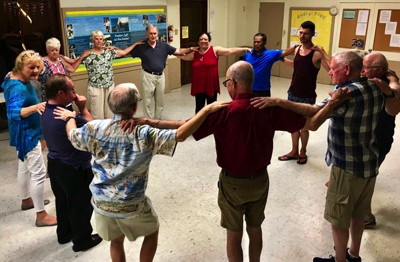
(387, 31)
(353, 30)
(121, 27)
(323, 25)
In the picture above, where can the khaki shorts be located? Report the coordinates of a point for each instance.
(132, 227)
(348, 197)
(238, 197)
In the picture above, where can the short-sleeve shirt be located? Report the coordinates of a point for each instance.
(262, 65)
(121, 163)
(153, 59)
(352, 143)
(99, 68)
(57, 141)
(244, 134)
(24, 132)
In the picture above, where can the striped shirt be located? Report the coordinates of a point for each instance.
(121, 163)
(352, 143)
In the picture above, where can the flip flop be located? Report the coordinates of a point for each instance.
(302, 160)
(286, 158)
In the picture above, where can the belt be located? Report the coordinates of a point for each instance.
(229, 174)
(153, 73)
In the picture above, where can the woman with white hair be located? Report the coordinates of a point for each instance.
(23, 112)
(54, 63)
(100, 74)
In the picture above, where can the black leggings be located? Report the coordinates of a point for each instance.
(201, 100)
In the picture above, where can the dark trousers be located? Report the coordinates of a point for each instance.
(74, 210)
(262, 93)
(201, 100)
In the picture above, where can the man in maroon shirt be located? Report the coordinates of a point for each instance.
(244, 141)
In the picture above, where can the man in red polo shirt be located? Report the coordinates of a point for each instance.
(244, 141)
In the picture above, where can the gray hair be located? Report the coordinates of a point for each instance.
(53, 42)
(242, 72)
(149, 26)
(123, 98)
(350, 58)
(95, 33)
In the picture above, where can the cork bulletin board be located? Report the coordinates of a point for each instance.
(387, 31)
(354, 27)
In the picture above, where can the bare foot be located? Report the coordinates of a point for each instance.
(43, 219)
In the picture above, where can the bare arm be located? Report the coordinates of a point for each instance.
(325, 58)
(289, 51)
(80, 102)
(300, 108)
(79, 60)
(124, 52)
(222, 51)
(391, 92)
(337, 97)
(184, 51)
(189, 127)
(29, 110)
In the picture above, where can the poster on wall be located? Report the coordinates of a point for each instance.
(121, 28)
(323, 26)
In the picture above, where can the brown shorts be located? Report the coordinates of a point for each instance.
(242, 196)
(132, 227)
(348, 196)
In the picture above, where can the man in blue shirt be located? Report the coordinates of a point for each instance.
(262, 60)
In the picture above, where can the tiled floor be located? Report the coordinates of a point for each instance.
(184, 192)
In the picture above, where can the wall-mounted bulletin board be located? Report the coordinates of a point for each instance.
(353, 30)
(323, 26)
(121, 27)
(387, 31)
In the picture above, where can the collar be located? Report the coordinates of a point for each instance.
(360, 79)
(243, 96)
(254, 51)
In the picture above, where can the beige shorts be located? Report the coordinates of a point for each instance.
(348, 196)
(238, 197)
(132, 227)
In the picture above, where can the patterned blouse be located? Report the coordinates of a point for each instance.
(99, 68)
(49, 69)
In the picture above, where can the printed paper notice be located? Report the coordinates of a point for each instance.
(185, 32)
(363, 16)
(294, 31)
(390, 28)
(395, 40)
(361, 29)
(385, 16)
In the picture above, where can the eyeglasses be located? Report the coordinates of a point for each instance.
(225, 83)
(369, 67)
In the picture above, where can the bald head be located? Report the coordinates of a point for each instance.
(243, 74)
(374, 65)
(123, 99)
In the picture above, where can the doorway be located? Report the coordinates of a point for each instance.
(193, 20)
(271, 24)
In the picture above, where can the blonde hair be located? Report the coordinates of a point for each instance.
(53, 42)
(25, 58)
(95, 33)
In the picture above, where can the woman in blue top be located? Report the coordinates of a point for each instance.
(23, 109)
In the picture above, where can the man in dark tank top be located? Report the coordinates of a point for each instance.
(306, 65)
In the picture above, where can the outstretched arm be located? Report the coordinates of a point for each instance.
(325, 58)
(124, 52)
(189, 127)
(300, 108)
(337, 97)
(78, 61)
(391, 92)
(222, 51)
(289, 51)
